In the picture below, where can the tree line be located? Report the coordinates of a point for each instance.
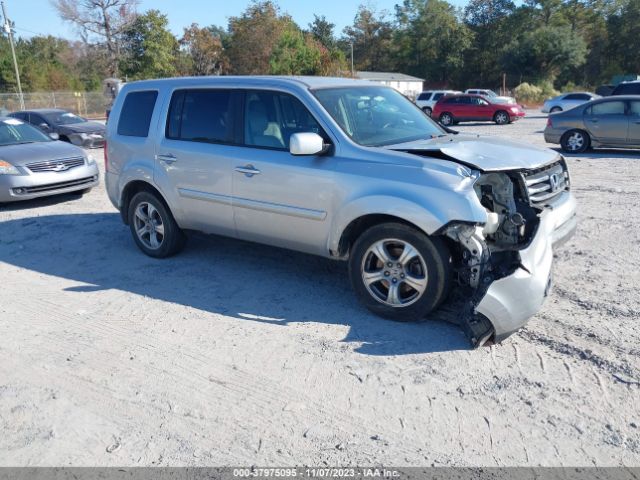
(547, 43)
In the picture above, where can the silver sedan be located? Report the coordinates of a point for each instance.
(33, 164)
(567, 101)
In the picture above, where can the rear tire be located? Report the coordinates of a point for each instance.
(446, 119)
(153, 227)
(501, 118)
(575, 141)
(398, 272)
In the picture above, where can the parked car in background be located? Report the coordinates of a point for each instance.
(427, 99)
(33, 164)
(612, 122)
(605, 90)
(69, 126)
(567, 101)
(345, 169)
(491, 95)
(469, 108)
(627, 88)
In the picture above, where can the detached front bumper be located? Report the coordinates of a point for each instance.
(510, 301)
(34, 185)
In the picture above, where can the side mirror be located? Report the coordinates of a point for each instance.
(54, 136)
(44, 126)
(307, 143)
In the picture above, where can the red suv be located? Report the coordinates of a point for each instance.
(467, 108)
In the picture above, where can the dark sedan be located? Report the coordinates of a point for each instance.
(69, 126)
(611, 122)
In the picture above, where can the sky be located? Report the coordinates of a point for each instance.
(37, 17)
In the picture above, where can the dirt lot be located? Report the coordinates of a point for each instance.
(238, 354)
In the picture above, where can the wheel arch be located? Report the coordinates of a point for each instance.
(133, 187)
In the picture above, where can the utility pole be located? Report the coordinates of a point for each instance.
(353, 73)
(9, 32)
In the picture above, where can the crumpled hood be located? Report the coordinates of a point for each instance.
(482, 153)
(20, 155)
(84, 127)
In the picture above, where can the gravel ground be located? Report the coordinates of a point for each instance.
(238, 354)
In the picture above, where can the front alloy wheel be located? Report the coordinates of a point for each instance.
(394, 272)
(398, 272)
(502, 118)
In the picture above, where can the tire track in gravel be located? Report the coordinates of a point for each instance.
(240, 384)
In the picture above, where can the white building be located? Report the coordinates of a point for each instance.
(405, 84)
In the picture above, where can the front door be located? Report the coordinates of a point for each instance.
(634, 123)
(278, 198)
(607, 122)
(193, 158)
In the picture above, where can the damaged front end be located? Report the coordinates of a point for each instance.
(505, 265)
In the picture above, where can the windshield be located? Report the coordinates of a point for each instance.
(376, 116)
(15, 132)
(63, 118)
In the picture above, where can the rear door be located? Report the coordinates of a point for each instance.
(608, 122)
(634, 123)
(481, 109)
(194, 156)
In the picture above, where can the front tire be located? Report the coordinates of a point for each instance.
(153, 227)
(501, 118)
(446, 119)
(575, 141)
(555, 110)
(399, 272)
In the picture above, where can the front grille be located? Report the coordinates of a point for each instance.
(54, 186)
(543, 184)
(61, 165)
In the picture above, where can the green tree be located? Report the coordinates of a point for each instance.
(322, 31)
(203, 50)
(624, 39)
(372, 37)
(294, 54)
(253, 36)
(545, 53)
(431, 40)
(151, 48)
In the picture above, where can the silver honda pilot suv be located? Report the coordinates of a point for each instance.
(349, 170)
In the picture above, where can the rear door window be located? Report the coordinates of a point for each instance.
(201, 116)
(137, 110)
(438, 96)
(425, 96)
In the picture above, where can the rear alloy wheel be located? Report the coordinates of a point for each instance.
(575, 141)
(399, 272)
(153, 228)
(446, 119)
(501, 118)
(555, 110)
(427, 110)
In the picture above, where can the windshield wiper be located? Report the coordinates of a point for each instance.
(22, 143)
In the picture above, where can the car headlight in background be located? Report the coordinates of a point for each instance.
(514, 109)
(90, 159)
(7, 169)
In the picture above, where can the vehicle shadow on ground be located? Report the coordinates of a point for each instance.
(248, 281)
(40, 202)
(603, 153)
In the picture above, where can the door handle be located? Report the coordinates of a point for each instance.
(167, 158)
(248, 170)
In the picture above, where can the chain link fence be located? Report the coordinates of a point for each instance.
(86, 104)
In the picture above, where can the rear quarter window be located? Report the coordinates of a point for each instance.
(137, 110)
